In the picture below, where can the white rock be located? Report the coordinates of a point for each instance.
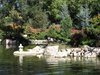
(51, 50)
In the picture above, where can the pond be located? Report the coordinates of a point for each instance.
(30, 65)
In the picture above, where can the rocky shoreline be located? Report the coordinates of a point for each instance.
(54, 51)
(85, 51)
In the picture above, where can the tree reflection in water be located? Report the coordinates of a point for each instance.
(30, 65)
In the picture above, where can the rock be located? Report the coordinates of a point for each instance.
(90, 54)
(51, 50)
(61, 54)
(37, 50)
(86, 47)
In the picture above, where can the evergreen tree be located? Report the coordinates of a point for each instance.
(66, 21)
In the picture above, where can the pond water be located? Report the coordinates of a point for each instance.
(30, 65)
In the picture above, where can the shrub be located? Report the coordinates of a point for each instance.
(40, 35)
(76, 39)
(66, 24)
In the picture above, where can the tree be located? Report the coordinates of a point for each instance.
(95, 26)
(55, 9)
(66, 24)
(37, 18)
(84, 15)
(66, 21)
(34, 16)
(82, 10)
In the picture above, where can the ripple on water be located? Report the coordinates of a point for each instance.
(10, 65)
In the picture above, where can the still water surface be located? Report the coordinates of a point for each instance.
(14, 65)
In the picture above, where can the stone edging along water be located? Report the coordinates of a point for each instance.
(54, 51)
(85, 51)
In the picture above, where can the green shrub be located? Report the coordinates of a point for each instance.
(32, 36)
(1, 34)
(40, 35)
(66, 24)
(88, 42)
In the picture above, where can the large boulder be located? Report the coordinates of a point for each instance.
(51, 50)
(37, 50)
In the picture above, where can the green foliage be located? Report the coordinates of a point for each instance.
(88, 36)
(15, 16)
(1, 34)
(38, 36)
(68, 13)
(52, 33)
(25, 13)
(66, 22)
(88, 42)
(32, 36)
(84, 15)
(41, 35)
(95, 25)
(93, 32)
(95, 20)
(55, 8)
(58, 35)
(66, 26)
(38, 18)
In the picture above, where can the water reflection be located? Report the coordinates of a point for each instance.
(52, 60)
(21, 60)
(30, 65)
(93, 61)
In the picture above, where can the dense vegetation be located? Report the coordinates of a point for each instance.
(84, 15)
